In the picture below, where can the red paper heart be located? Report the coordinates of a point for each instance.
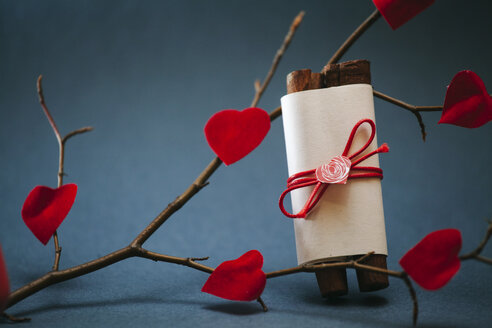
(46, 208)
(233, 134)
(467, 103)
(4, 283)
(434, 260)
(238, 280)
(398, 12)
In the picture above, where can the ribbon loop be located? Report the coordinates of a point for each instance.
(337, 171)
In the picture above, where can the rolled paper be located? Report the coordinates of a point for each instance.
(349, 218)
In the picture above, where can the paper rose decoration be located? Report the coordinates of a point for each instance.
(337, 171)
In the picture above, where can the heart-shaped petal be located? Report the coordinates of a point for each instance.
(337, 171)
(398, 12)
(45, 209)
(238, 280)
(4, 283)
(434, 260)
(467, 103)
(233, 134)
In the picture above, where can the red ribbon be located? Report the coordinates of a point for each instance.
(308, 178)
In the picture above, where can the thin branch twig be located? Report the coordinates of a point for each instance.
(475, 254)
(13, 319)
(263, 305)
(189, 261)
(355, 264)
(278, 56)
(405, 105)
(354, 36)
(413, 294)
(61, 158)
(76, 132)
(46, 111)
(350, 41)
(60, 162)
(415, 110)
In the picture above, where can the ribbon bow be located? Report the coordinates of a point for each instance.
(338, 170)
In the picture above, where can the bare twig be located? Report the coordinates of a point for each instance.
(13, 319)
(354, 36)
(46, 111)
(55, 277)
(415, 110)
(75, 132)
(475, 254)
(278, 56)
(364, 257)
(350, 41)
(189, 261)
(263, 305)
(257, 85)
(61, 158)
(60, 162)
(406, 106)
(354, 264)
(413, 294)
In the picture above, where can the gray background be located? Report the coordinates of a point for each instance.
(147, 75)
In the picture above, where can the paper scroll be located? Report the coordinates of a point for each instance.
(349, 219)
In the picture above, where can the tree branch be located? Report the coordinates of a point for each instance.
(475, 254)
(354, 36)
(45, 109)
(76, 132)
(415, 110)
(260, 89)
(354, 264)
(60, 162)
(13, 319)
(189, 261)
(263, 305)
(61, 158)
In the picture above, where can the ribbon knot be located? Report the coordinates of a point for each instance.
(337, 171)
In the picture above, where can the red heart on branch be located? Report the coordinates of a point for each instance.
(434, 260)
(4, 283)
(398, 12)
(238, 280)
(46, 208)
(233, 134)
(467, 103)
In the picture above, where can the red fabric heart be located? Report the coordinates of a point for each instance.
(4, 283)
(46, 208)
(467, 103)
(434, 260)
(398, 12)
(238, 280)
(233, 134)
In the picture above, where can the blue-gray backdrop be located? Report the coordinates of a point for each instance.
(147, 75)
